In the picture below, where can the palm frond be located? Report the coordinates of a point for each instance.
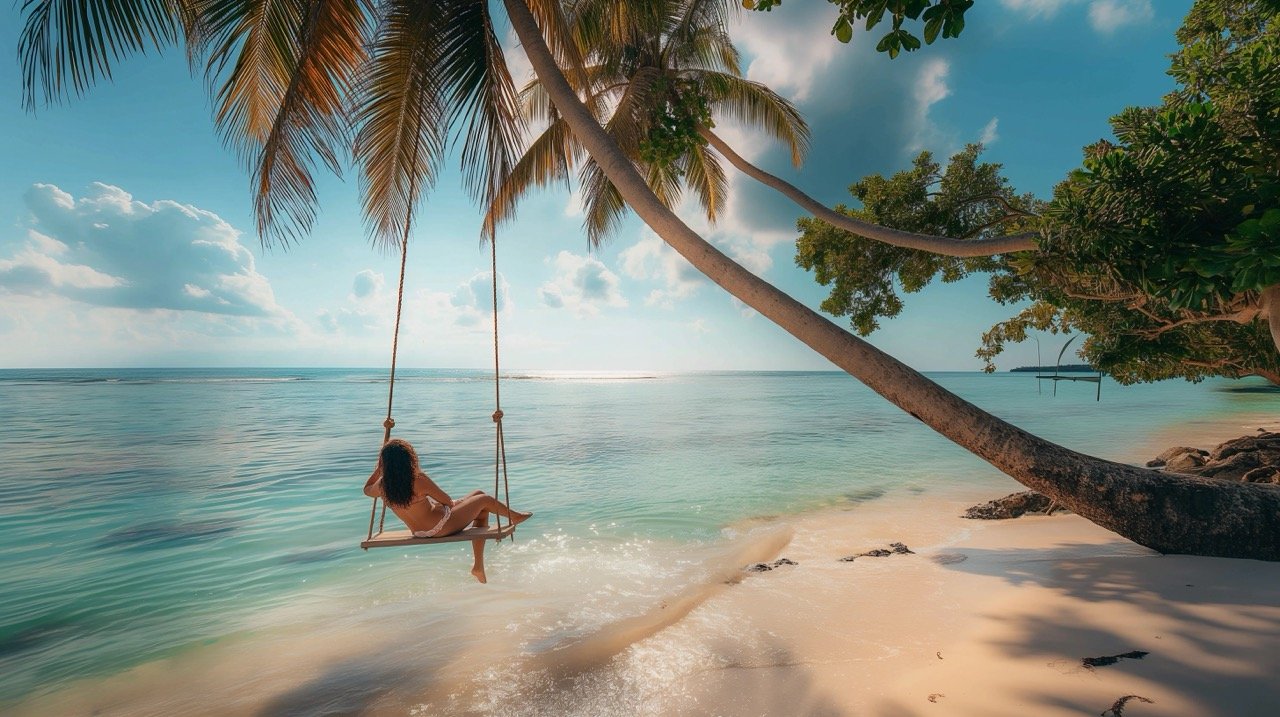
(704, 174)
(400, 127)
(755, 105)
(706, 48)
(251, 48)
(703, 23)
(603, 206)
(478, 94)
(631, 112)
(68, 45)
(548, 159)
(558, 32)
(664, 179)
(311, 120)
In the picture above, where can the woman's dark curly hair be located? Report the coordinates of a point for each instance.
(399, 468)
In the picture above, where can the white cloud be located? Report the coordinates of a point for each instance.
(582, 284)
(930, 88)
(1106, 16)
(788, 54)
(651, 259)
(367, 283)
(1036, 8)
(473, 300)
(371, 306)
(106, 249)
(990, 132)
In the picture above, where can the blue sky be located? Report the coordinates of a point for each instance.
(126, 236)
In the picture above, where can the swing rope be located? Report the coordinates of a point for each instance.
(390, 422)
(500, 449)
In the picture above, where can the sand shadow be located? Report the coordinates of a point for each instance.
(1223, 662)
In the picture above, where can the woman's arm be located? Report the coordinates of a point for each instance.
(373, 486)
(430, 488)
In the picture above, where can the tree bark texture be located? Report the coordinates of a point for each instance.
(1194, 515)
(1271, 304)
(946, 246)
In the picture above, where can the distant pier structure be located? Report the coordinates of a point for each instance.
(1062, 373)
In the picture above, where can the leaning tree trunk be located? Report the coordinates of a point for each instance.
(1271, 304)
(1184, 515)
(947, 246)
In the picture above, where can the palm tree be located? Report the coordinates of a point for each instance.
(656, 73)
(439, 62)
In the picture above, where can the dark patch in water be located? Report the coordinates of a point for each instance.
(33, 637)
(163, 535)
(1249, 389)
(317, 555)
(864, 495)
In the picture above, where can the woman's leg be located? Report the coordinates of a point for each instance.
(477, 548)
(475, 509)
(470, 508)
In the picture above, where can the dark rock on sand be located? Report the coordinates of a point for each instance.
(1263, 474)
(1092, 662)
(1117, 707)
(894, 549)
(1178, 454)
(766, 567)
(1013, 506)
(1255, 459)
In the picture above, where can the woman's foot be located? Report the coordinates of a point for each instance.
(477, 571)
(517, 517)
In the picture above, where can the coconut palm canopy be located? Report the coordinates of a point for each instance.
(295, 84)
(656, 73)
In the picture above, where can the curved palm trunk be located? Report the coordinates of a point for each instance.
(946, 246)
(1186, 515)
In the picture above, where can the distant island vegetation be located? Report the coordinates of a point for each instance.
(1065, 368)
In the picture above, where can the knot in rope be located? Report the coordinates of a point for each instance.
(497, 416)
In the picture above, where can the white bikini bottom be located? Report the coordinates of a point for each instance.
(439, 526)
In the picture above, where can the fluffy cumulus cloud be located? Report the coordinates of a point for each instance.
(581, 284)
(788, 54)
(108, 250)
(472, 301)
(1105, 16)
(371, 305)
(650, 259)
(367, 306)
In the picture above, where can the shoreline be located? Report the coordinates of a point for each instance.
(982, 618)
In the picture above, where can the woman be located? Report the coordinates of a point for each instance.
(425, 507)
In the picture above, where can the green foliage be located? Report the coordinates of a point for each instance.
(1157, 247)
(968, 200)
(671, 130)
(938, 17)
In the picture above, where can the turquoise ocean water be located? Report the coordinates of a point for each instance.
(192, 518)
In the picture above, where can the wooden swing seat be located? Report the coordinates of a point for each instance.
(395, 538)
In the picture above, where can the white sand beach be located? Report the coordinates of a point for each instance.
(996, 622)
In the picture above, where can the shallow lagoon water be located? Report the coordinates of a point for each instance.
(195, 518)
